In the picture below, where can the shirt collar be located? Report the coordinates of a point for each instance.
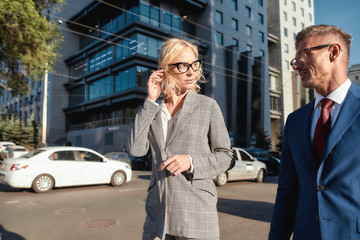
(338, 95)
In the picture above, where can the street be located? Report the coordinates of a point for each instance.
(105, 212)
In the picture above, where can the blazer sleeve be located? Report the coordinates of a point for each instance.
(138, 142)
(208, 165)
(284, 212)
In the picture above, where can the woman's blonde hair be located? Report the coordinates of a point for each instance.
(171, 48)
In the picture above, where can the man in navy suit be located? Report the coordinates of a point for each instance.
(318, 195)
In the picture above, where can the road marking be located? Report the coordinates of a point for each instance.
(132, 189)
(11, 202)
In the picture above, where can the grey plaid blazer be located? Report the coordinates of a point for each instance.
(184, 205)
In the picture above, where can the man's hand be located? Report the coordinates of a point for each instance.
(176, 164)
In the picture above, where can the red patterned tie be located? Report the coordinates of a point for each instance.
(322, 128)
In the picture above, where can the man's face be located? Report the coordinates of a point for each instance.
(315, 71)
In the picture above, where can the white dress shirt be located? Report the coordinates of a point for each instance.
(338, 96)
(168, 124)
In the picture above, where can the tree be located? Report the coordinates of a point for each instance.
(28, 42)
(278, 145)
(262, 140)
(15, 130)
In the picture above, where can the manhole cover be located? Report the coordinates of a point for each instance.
(68, 211)
(99, 223)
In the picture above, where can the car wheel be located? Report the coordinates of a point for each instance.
(221, 179)
(260, 176)
(118, 178)
(43, 183)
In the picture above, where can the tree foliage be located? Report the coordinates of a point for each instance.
(262, 140)
(279, 141)
(21, 133)
(28, 42)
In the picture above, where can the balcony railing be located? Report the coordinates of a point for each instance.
(102, 123)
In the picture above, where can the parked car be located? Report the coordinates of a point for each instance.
(246, 168)
(18, 151)
(3, 147)
(272, 163)
(119, 156)
(49, 167)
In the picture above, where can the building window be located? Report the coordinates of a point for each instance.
(261, 3)
(302, 25)
(248, 12)
(356, 77)
(234, 24)
(219, 38)
(309, 3)
(261, 18)
(235, 44)
(286, 48)
(234, 5)
(294, 21)
(249, 48)
(294, 6)
(287, 65)
(285, 32)
(302, 12)
(219, 17)
(275, 104)
(310, 17)
(294, 36)
(261, 37)
(285, 15)
(262, 53)
(248, 31)
(284, 2)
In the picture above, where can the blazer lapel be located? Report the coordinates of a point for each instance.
(184, 115)
(348, 113)
(306, 135)
(157, 128)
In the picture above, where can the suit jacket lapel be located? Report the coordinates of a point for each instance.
(184, 115)
(158, 128)
(348, 113)
(306, 135)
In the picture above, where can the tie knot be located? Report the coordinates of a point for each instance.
(326, 103)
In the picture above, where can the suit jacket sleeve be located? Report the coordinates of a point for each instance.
(138, 142)
(208, 165)
(284, 212)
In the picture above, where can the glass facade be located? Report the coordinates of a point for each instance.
(135, 11)
(138, 43)
(123, 80)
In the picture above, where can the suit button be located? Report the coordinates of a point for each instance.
(320, 188)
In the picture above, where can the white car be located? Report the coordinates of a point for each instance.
(45, 168)
(246, 168)
(19, 151)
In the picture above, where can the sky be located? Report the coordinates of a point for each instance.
(344, 14)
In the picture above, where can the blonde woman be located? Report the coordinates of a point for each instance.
(189, 143)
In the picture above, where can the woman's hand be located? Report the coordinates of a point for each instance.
(176, 164)
(154, 85)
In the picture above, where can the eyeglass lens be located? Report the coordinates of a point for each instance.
(184, 67)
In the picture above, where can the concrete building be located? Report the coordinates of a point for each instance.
(110, 48)
(354, 73)
(285, 19)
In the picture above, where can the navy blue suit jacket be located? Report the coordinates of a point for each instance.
(320, 203)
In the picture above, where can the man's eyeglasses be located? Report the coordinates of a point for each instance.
(301, 57)
(183, 67)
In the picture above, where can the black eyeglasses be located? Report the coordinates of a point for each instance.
(183, 67)
(301, 57)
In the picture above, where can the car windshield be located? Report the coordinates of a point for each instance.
(33, 153)
(259, 153)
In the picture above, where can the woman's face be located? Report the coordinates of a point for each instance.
(186, 79)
